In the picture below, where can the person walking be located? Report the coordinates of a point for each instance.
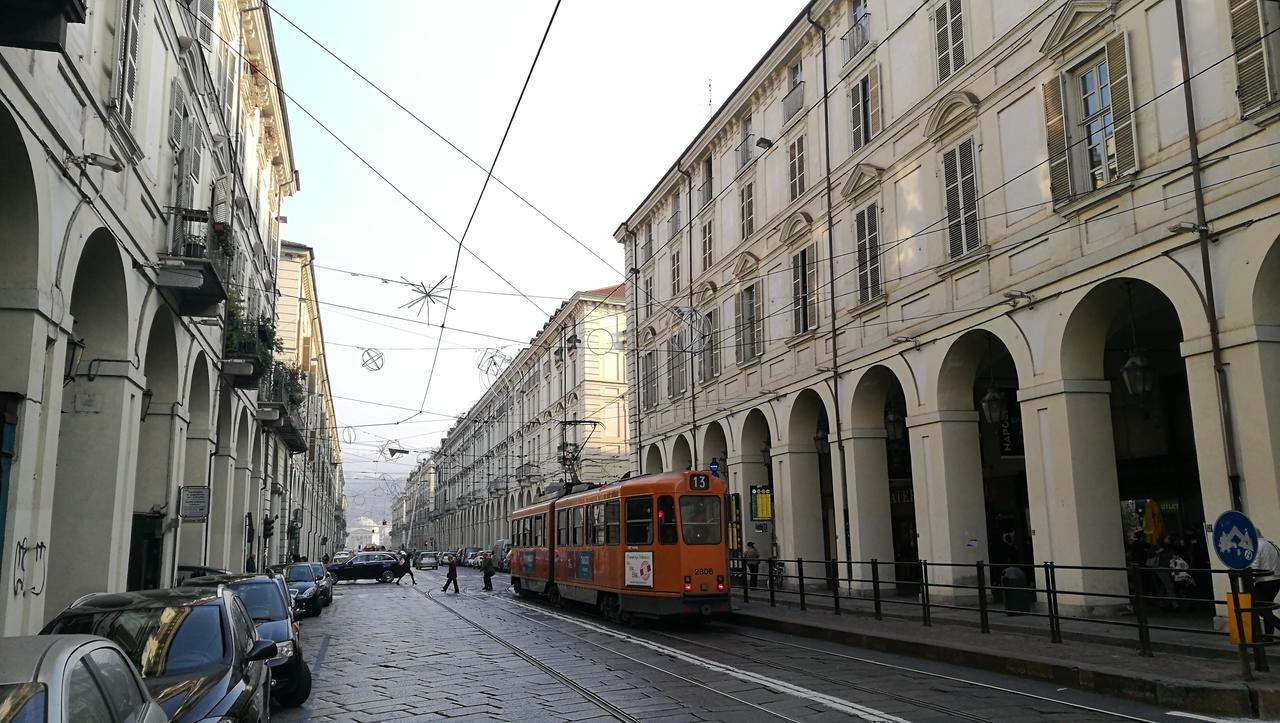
(451, 578)
(1266, 582)
(486, 566)
(251, 564)
(404, 567)
(752, 557)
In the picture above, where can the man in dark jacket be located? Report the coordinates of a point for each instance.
(404, 566)
(452, 576)
(486, 566)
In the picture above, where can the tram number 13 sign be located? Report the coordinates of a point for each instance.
(639, 569)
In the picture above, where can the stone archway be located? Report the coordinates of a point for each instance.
(809, 495)
(240, 483)
(199, 450)
(751, 476)
(715, 448)
(89, 541)
(681, 456)
(653, 459)
(223, 472)
(882, 494)
(161, 428)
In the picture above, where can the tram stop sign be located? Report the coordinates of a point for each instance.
(1235, 540)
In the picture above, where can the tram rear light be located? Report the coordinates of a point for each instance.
(688, 583)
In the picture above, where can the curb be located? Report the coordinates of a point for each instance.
(1221, 699)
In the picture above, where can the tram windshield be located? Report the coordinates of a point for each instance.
(700, 519)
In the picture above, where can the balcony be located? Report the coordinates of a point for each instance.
(746, 151)
(196, 272)
(38, 24)
(280, 396)
(793, 101)
(704, 194)
(496, 485)
(857, 37)
(248, 349)
(674, 225)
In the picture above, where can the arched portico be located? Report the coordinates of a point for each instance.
(807, 508)
(714, 446)
(751, 476)
(653, 459)
(199, 449)
(217, 553)
(681, 456)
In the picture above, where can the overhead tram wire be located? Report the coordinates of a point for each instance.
(474, 209)
(437, 133)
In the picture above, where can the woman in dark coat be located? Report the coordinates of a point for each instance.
(452, 576)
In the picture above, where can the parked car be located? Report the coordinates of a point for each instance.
(304, 591)
(72, 678)
(266, 598)
(342, 557)
(380, 566)
(325, 581)
(427, 561)
(186, 572)
(196, 648)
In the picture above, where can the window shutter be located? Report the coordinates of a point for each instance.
(131, 23)
(811, 281)
(1058, 141)
(951, 182)
(205, 21)
(873, 251)
(177, 103)
(739, 331)
(860, 242)
(1121, 104)
(942, 39)
(855, 108)
(957, 35)
(222, 199)
(873, 101)
(797, 293)
(1252, 86)
(969, 194)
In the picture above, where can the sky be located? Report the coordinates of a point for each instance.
(619, 90)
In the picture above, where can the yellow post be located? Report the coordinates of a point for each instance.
(1245, 601)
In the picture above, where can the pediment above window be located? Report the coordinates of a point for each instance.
(745, 266)
(648, 335)
(865, 178)
(956, 110)
(797, 228)
(706, 293)
(1077, 19)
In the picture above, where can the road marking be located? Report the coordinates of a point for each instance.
(1194, 716)
(839, 704)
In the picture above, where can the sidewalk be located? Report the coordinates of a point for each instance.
(1190, 672)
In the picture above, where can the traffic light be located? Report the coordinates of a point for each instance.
(268, 527)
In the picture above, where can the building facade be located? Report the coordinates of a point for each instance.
(312, 502)
(947, 284)
(558, 410)
(146, 152)
(413, 510)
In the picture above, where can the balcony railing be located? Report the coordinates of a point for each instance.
(248, 348)
(674, 225)
(857, 37)
(792, 102)
(197, 269)
(704, 194)
(746, 150)
(280, 396)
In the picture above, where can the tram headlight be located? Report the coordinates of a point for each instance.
(688, 583)
(720, 583)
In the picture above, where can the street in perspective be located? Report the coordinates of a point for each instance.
(732, 360)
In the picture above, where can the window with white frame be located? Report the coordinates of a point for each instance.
(864, 111)
(749, 309)
(1257, 44)
(948, 33)
(960, 192)
(647, 301)
(678, 365)
(859, 33)
(804, 290)
(795, 167)
(648, 242)
(866, 229)
(710, 351)
(128, 61)
(708, 245)
(675, 273)
(747, 208)
(649, 379)
(1089, 123)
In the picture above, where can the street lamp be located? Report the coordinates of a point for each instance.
(994, 407)
(895, 425)
(1138, 374)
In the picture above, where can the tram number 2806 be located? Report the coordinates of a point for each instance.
(703, 571)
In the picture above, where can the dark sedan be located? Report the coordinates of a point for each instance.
(305, 591)
(380, 566)
(324, 580)
(197, 649)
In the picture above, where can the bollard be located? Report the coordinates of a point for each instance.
(924, 594)
(1245, 671)
(875, 587)
(1140, 612)
(1051, 598)
(772, 602)
(984, 620)
(800, 578)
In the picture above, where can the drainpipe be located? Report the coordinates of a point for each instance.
(635, 347)
(831, 270)
(693, 391)
(1210, 305)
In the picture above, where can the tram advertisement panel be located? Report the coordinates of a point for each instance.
(583, 569)
(526, 561)
(639, 569)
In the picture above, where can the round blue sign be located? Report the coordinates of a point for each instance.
(1235, 540)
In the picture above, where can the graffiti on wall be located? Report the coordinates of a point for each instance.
(30, 568)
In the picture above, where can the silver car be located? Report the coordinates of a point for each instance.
(74, 678)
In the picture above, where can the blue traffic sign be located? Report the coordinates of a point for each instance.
(1235, 540)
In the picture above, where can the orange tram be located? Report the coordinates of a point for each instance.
(645, 547)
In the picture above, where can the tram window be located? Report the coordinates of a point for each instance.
(612, 528)
(521, 526)
(562, 527)
(597, 523)
(579, 536)
(639, 520)
(700, 519)
(590, 538)
(540, 530)
(667, 534)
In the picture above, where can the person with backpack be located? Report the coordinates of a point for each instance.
(451, 578)
(1266, 582)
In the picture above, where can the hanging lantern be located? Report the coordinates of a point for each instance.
(1139, 375)
(895, 425)
(821, 443)
(994, 407)
(75, 352)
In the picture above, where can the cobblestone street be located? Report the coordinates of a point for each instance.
(385, 652)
